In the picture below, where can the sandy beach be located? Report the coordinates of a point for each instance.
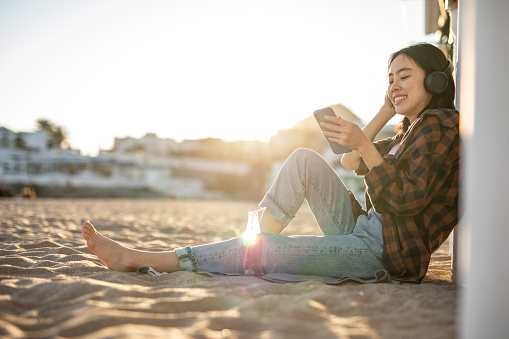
(52, 286)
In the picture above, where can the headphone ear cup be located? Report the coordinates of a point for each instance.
(436, 82)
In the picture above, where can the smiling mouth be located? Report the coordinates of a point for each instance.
(399, 98)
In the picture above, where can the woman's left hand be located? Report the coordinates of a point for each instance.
(345, 133)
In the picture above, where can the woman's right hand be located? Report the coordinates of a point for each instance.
(388, 107)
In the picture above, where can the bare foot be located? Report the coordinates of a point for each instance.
(111, 253)
(120, 258)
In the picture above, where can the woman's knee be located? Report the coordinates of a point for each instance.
(305, 156)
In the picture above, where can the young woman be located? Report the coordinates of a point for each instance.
(412, 192)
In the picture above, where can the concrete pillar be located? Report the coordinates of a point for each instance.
(453, 249)
(484, 103)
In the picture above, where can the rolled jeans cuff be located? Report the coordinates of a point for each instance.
(276, 210)
(187, 259)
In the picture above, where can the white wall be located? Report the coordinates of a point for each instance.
(484, 103)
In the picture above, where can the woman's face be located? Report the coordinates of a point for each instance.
(406, 87)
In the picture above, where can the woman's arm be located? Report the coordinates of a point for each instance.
(350, 135)
(431, 160)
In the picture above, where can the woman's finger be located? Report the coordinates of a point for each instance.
(336, 128)
(336, 120)
(328, 126)
(337, 141)
(333, 127)
(329, 134)
(338, 138)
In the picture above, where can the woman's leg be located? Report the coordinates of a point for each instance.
(270, 225)
(120, 258)
(358, 254)
(306, 175)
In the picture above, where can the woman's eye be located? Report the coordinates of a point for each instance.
(406, 76)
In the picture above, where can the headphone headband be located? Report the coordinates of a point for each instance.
(449, 68)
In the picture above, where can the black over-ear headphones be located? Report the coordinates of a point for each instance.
(436, 82)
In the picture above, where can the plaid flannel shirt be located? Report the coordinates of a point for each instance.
(416, 192)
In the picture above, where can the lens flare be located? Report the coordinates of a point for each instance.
(249, 237)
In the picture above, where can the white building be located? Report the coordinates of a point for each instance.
(145, 166)
(35, 141)
(25, 160)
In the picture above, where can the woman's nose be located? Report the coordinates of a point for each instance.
(394, 86)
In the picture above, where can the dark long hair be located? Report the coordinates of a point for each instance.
(430, 59)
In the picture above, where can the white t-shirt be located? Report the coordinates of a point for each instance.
(394, 149)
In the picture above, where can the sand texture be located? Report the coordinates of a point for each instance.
(52, 286)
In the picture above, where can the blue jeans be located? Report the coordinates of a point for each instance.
(346, 249)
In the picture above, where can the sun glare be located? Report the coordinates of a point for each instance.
(249, 238)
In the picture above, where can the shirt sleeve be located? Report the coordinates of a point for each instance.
(405, 186)
(380, 146)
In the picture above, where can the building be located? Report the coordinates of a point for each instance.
(149, 166)
(25, 160)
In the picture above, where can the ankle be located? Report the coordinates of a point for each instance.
(269, 225)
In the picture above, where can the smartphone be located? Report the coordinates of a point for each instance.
(320, 117)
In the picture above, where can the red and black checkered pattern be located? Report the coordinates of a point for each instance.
(416, 191)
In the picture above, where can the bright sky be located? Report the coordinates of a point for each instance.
(232, 69)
